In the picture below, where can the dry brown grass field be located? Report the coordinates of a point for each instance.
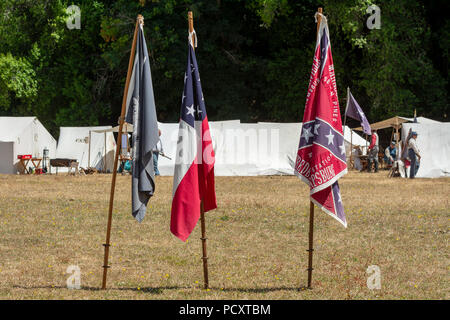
(256, 240)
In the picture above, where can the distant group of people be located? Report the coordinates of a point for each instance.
(412, 154)
(126, 162)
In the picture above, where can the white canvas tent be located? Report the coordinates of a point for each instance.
(73, 143)
(22, 135)
(423, 120)
(247, 149)
(433, 141)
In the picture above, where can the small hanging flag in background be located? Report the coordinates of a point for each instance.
(353, 110)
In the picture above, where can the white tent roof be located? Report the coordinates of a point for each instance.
(12, 127)
(423, 120)
(22, 135)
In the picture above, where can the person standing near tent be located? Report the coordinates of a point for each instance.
(357, 152)
(390, 154)
(413, 154)
(156, 151)
(373, 152)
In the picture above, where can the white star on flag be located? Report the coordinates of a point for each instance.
(199, 110)
(191, 110)
(330, 138)
(307, 134)
(342, 147)
(339, 199)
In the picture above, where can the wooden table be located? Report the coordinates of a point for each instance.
(24, 162)
(68, 163)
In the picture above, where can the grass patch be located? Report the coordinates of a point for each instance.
(256, 240)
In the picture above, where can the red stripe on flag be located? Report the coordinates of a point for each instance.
(206, 170)
(324, 200)
(197, 184)
(186, 205)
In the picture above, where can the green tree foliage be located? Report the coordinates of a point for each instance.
(394, 64)
(18, 85)
(254, 56)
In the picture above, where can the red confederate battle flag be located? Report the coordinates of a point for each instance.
(193, 179)
(321, 151)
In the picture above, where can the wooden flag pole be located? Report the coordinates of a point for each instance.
(203, 238)
(139, 21)
(202, 211)
(310, 248)
(345, 114)
(311, 205)
(345, 120)
(351, 149)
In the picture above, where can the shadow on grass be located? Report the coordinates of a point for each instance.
(160, 290)
(260, 290)
(152, 290)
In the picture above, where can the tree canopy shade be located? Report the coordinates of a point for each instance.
(255, 57)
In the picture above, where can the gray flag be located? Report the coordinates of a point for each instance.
(141, 113)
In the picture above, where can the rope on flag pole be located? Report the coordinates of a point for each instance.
(193, 42)
(139, 22)
(193, 38)
(318, 16)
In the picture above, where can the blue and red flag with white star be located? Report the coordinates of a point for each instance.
(193, 180)
(321, 153)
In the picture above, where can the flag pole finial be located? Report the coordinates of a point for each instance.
(192, 34)
(140, 19)
(319, 19)
(190, 21)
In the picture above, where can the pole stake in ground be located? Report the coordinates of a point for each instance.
(203, 238)
(311, 204)
(202, 211)
(311, 238)
(139, 21)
